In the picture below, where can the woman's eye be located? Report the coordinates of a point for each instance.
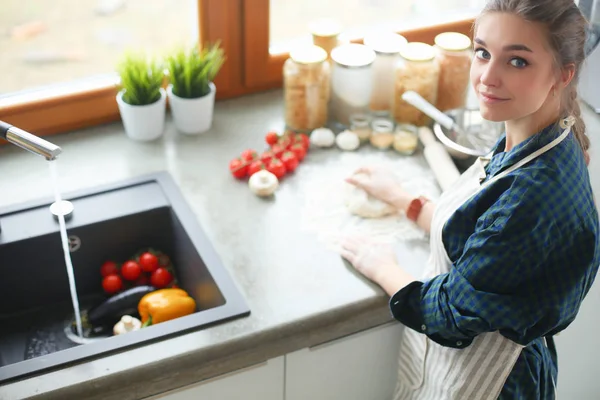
(519, 62)
(482, 53)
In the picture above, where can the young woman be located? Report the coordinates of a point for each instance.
(514, 244)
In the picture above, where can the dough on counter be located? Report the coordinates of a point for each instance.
(362, 204)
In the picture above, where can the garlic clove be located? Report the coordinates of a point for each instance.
(263, 183)
(347, 140)
(322, 137)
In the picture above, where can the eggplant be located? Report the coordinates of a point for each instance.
(124, 303)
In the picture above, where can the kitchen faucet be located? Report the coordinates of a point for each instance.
(29, 142)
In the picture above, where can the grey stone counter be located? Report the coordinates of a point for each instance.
(300, 293)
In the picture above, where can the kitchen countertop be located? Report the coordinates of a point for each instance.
(300, 293)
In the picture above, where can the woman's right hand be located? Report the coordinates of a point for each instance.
(382, 184)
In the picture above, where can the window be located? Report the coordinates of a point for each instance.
(66, 40)
(57, 60)
(272, 27)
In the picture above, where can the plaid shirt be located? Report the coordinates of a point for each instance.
(525, 251)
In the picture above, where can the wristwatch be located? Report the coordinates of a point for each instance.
(415, 207)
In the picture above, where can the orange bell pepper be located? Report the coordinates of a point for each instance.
(164, 305)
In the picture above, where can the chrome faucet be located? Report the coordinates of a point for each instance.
(29, 142)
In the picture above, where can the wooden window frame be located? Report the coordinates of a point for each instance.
(88, 102)
(242, 27)
(263, 69)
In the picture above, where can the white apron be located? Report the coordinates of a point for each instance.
(428, 370)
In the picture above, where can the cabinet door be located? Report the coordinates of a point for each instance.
(263, 381)
(358, 367)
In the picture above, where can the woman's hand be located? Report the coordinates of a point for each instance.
(376, 261)
(382, 184)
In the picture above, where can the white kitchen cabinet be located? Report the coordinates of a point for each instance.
(357, 367)
(261, 382)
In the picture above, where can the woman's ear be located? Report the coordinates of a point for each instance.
(567, 74)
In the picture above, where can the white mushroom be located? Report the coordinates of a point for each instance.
(322, 137)
(127, 324)
(347, 140)
(263, 183)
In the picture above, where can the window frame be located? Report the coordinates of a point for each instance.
(88, 102)
(262, 69)
(241, 26)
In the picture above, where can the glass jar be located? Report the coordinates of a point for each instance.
(325, 34)
(406, 139)
(454, 57)
(387, 46)
(306, 76)
(416, 70)
(382, 134)
(351, 81)
(361, 125)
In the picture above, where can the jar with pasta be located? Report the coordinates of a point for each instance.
(306, 77)
(454, 57)
(387, 46)
(416, 70)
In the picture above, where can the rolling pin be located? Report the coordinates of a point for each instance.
(439, 160)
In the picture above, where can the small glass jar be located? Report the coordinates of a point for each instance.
(361, 125)
(382, 135)
(416, 70)
(306, 79)
(325, 34)
(454, 57)
(406, 139)
(387, 47)
(351, 81)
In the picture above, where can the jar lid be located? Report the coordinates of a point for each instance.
(325, 27)
(453, 41)
(418, 51)
(308, 54)
(385, 42)
(353, 55)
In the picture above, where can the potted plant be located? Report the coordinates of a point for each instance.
(141, 98)
(191, 90)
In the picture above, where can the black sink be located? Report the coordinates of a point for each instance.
(108, 222)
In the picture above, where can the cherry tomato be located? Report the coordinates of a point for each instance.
(112, 283)
(131, 270)
(148, 262)
(238, 168)
(267, 156)
(109, 268)
(299, 151)
(255, 167)
(290, 160)
(161, 278)
(305, 140)
(277, 168)
(278, 149)
(271, 138)
(249, 155)
(143, 280)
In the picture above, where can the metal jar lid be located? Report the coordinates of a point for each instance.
(385, 42)
(353, 55)
(418, 51)
(325, 27)
(452, 41)
(308, 54)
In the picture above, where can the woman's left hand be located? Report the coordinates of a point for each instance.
(370, 258)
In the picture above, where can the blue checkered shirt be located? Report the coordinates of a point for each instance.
(525, 251)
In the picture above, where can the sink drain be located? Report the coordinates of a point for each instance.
(90, 335)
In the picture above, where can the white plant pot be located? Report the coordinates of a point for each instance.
(143, 123)
(192, 116)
